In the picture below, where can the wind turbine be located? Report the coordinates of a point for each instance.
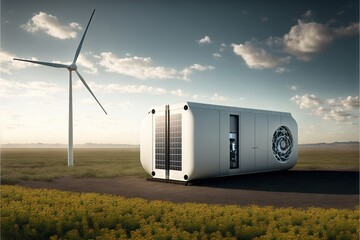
(72, 67)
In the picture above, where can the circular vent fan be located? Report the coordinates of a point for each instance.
(282, 144)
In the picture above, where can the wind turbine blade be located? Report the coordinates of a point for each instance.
(57, 65)
(82, 39)
(88, 88)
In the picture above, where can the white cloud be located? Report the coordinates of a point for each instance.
(307, 101)
(222, 47)
(350, 30)
(87, 64)
(217, 97)
(184, 94)
(49, 24)
(195, 67)
(216, 55)
(306, 39)
(320, 111)
(221, 50)
(336, 114)
(339, 115)
(281, 70)
(256, 57)
(179, 93)
(338, 110)
(8, 64)
(348, 102)
(351, 102)
(214, 97)
(274, 42)
(308, 14)
(205, 40)
(331, 102)
(9, 88)
(198, 97)
(143, 68)
(294, 88)
(143, 89)
(137, 67)
(199, 67)
(114, 87)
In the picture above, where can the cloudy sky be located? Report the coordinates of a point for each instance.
(293, 56)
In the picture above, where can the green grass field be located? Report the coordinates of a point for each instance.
(328, 159)
(46, 164)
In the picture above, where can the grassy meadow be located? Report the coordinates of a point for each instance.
(47, 164)
(341, 158)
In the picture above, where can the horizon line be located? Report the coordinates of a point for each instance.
(114, 145)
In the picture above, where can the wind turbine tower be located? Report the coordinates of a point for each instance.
(72, 67)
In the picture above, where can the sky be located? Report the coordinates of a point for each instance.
(300, 57)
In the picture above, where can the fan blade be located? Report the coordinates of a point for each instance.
(88, 88)
(82, 39)
(57, 65)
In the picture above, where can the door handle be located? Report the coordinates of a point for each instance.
(254, 147)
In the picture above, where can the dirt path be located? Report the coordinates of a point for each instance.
(326, 189)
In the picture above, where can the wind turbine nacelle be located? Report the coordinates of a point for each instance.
(72, 67)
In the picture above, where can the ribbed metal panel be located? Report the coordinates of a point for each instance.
(175, 142)
(168, 142)
(160, 142)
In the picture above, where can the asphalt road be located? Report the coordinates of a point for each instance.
(295, 188)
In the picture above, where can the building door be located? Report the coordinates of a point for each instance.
(254, 142)
(247, 141)
(261, 141)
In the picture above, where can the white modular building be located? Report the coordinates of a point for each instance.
(190, 141)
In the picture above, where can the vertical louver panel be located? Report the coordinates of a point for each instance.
(160, 142)
(175, 142)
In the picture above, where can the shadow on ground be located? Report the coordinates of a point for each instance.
(297, 181)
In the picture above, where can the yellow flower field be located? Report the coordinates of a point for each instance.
(51, 214)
